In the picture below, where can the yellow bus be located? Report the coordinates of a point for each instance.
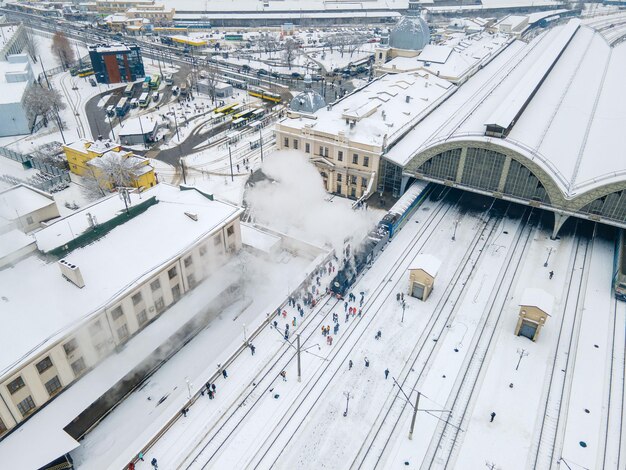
(226, 109)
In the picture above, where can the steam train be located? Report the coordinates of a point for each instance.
(357, 259)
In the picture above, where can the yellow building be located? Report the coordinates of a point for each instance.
(422, 273)
(100, 158)
(535, 307)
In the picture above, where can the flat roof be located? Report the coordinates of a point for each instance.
(14, 240)
(138, 126)
(535, 297)
(381, 108)
(20, 200)
(142, 245)
(572, 126)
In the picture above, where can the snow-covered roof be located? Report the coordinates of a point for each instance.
(427, 263)
(535, 297)
(380, 109)
(21, 200)
(435, 53)
(14, 240)
(138, 126)
(571, 124)
(259, 239)
(411, 33)
(95, 146)
(139, 246)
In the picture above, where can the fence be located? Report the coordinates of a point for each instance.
(50, 72)
(50, 179)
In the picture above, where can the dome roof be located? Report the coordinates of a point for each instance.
(308, 101)
(411, 32)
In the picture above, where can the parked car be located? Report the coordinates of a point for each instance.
(92, 82)
(110, 110)
(175, 90)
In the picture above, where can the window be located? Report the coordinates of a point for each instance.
(295, 144)
(230, 230)
(155, 285)
(172, 273)
(70, 346)
(137, 298)
(353, 179)
(142, 317)
(176, 292)
(122, 332)
(95, 328)
(338, 188)
(353, 192)
(188, 261)
(340, 156)
(26, 406)
(159, 304)
(286, 142)
(326, 151)
(3, 427)
(364, 182)
(217, 241)
(191, 280)
(307, 148)
(117, 312)
(53, 385)
(321, 150)
(29, 220)
(339, 176)
(355, 158)
(44, 365)
(78, 366)
(203, 250)
(15, 385)
(366, 161)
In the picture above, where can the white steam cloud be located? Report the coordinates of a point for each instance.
(297, 204)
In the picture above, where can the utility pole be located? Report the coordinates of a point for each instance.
(145, 144)
(456, 223)
(522, 353)
(44, 73)
(347, 395)
(182, 165)
(545, 265)
(176, 124)
(230, 158)
(417, 402)
(261, 142)
(111, 126)
(403, 308)
(299, 367)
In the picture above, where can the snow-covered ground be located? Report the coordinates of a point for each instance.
(457, 349)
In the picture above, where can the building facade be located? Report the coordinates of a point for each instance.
(16, 75)
(27, 385)
(116, 63)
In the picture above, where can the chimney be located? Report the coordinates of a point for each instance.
(408, 98)
(71, 272)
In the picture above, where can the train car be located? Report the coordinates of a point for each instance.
(619, 267)
(258, 113)
(354, 262)
(264, 95)
(238, 123)
(405, 206)
(244, 114)
(86, 72)
(226, 108)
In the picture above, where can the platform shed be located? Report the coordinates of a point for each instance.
(422, 273)
(535, 307)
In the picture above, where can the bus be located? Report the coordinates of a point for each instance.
(155, 82)
(244, 114)
(264, 95)
(225, 109)
(128, 91)
(237, 123)
(258, 113)
(146, 83)
(85, 72)
(169, 79)
(234, 110)
(144, 100)
(233, 37)
(122, 107)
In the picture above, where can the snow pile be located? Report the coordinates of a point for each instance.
(296, 204)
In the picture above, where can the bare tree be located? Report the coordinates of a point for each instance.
(115, 169)
(32, 45)
(211, 75)
(41, 101)
(356, 41)
(93, 186)
(290, 51)
(268, 43)
(62, 48)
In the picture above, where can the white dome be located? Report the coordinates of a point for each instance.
(411, 32)
(308, 101)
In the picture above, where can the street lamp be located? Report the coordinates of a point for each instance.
(189, 385)
(347, 395)
(456, 223)
(545, 265)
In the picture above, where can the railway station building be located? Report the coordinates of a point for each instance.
(97, 278)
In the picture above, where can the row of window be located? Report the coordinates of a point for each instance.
(324, 152)
(353, 179)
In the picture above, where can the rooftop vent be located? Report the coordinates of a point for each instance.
(71, 272)
(193, 217)
(408, 98)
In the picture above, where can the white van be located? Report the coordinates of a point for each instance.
(134, 103)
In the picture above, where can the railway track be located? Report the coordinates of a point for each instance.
(419, 361)
(208, 454)
(547, 446)
(74, 105)
(443, 445)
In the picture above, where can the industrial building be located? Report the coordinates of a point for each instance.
(115, 63)
(16, 75)
(166, 241)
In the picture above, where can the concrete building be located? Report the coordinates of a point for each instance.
(25, 208)
(16, 75)
(346, 139)
(535, 307)
(222, 90)
(115, 63)
(166, 242)
(540, 124)
(422, 274)
(137, 131)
